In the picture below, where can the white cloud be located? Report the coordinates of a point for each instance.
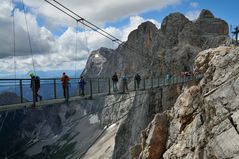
(194, 4)
(192, 15)
(65, 56)
(41, 38)
(56, 53)
(99, 11)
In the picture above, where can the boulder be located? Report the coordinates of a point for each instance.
(155, 143)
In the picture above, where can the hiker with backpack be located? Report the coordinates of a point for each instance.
(65, 85)
(35, 86)
(137, 79)
(115, 81)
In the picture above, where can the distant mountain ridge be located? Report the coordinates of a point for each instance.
(171, 48)
(43, 74)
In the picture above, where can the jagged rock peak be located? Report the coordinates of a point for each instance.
(143, 28)
(145, 25)
(206, 14)
(210, 24)
(174, 20)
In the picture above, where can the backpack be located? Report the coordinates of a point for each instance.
(137, 77)
(115, 78)
(125, 78)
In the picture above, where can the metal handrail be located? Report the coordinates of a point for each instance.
(93, 87)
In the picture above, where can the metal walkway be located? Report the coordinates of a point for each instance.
(52, 92)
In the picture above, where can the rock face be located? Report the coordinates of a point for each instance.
(48, 132)
(203, 121)
(154, 138)
(171, 48)
(207, 21)
(9, 98)
(197, 123)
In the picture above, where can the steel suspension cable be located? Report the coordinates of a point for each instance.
(80, 20)
(87, 21)
(113, 38)
(29, 38)
(92, 26)
(86, 39)
(14, 42)
(76, 46)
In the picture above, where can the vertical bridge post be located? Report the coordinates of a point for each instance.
(91, 91)
(54, 88)
(144, 83)
(109, 85)
(152, 82)
(21, 94)
(33, 82)
(98, 83)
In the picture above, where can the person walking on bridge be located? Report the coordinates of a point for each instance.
(137, 80)
(35, 86)
(115, 81)
(125, 83)
(65, 85)
(82, 84)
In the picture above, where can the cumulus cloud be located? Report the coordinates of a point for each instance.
(104, 10)
(41, 39)
(72, 51)
(63, 52)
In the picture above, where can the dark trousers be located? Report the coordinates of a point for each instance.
(125, 86)
(36, 95)
(82, 91)
(137, 84)
(115, 86)
(65, 91)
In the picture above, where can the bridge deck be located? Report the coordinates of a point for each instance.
(145, 85)
(45, 102)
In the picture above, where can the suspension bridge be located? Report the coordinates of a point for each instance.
(52, 92)
(51, 88)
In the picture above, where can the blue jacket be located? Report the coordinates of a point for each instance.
(82, 83)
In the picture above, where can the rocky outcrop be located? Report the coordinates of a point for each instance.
(172, 48)
(49, 131)
(144, 108)
(209, 24)
(203, 121)
(9, 98)
(153, 139)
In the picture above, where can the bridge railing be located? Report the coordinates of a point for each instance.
(51, 88)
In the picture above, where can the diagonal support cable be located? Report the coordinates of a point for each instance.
(90, 25)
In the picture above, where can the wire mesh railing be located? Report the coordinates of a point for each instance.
(51, 88)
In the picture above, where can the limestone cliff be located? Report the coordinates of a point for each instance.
(203, 122)
(172, 48)
(54, 133)
(205, 117)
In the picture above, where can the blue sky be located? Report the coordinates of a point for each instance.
(53, 35)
